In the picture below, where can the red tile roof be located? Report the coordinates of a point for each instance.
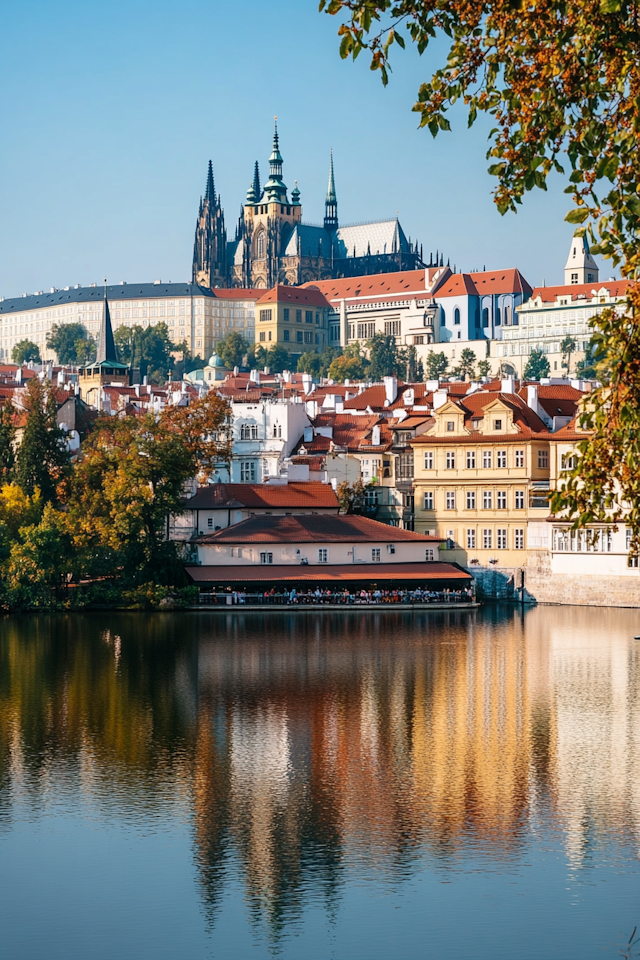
(375, 397)
(616, 288)
(529, 424)
(235, 293)
(428, 572)
(309, 296)
(310, 495)
(405, 281)
(490, 281)
(314, 529)
(348, 431)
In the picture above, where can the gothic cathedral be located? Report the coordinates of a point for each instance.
(273, 245)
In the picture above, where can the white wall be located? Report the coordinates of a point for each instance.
(292, 553)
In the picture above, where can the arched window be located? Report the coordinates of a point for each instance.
(443, 318)
(456, 316)
(485, 317)
(260, 246)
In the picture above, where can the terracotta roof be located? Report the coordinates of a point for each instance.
(310, 296)
(404, 281)
(616, 288)
(375, 396)
(310, 494)
(529, 424)
(314, 529)
(490, 281)
(348, 431)
(569, 432)
(428, 572)
(235, 293)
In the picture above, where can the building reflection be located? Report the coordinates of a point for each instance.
(307, 746)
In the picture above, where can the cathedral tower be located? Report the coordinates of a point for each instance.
(331, 202)
(210, 267)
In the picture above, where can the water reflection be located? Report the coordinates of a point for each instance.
(310, 748)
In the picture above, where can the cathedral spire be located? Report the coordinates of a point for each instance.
(274, 188)
(210, 193)
(257, 189)
(331, 202)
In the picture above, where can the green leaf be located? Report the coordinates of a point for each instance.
(577, 216)
(610, 6)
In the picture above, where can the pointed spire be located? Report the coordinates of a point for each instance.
(257, 189)
(106, 347)
(210, 193)
(331, 202)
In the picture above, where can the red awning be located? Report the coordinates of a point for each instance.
(340, 573)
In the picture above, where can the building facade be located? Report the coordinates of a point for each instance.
(193, 314)
(294, 318)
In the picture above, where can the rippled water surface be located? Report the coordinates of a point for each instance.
(309, 785)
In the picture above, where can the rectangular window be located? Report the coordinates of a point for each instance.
(298, 316)
(323, 555)
(518, 538)
(285, 336)
(428, 500)
(487, 499)
(519, 499)
(451, 500)
(266, 558)
(308, 336)
(450, 426)
(285, 314)
(210, 522)
(501, 459)
(501, 499)
(471, 460)
(487, 539)
(366, 331)
(497, 424)
(248, 471)
(451, 460)
(265, 315)
(501, 537)
(317, 319)
(519, 458)
(543, 459)
(471, 500)
(486, 459)
(428, 460)
(308, 316)
(299, 336)
(375, 554)
(249, 431)
(391, 548)
(392, 328)
(471, 539)
(263, 336)
(429, 554)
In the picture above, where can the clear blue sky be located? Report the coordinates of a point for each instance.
(110, 112)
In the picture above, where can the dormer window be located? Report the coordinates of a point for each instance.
(476, 424)
(450, 426)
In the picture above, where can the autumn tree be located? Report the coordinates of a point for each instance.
(561, 84)
(43, 459)
(537, 366)
(24, 351)
(351, 365)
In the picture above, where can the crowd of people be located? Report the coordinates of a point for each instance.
(326, 596)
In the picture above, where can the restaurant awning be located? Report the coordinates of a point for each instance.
(389, 574)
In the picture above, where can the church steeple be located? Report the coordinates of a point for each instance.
(257, 189)
(106, 347)
(274, 188)
(331, 202)
(210, 193)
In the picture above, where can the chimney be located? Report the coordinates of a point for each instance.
(236, 371)
(409, 397)
(440, 397)
(390, 389)
(375, 436)
(432, 385)
(254, 376)
(508, 385)
(532, 396)
(306, 383)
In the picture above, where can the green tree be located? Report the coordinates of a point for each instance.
(85, 351)
(66, 339)
(309, 363)
(43, 459)
(557, 80)
(232, 350)
(410, 367)
(436, 365)
(484, 368)
(384, 358)
(327, 357)
(148, 349)
(40, 562)
(537, 366)
(7, 440)
(567, 347)
(352, 496)
(466, 367)
(24, 351)
(278, 359)
(351, 365)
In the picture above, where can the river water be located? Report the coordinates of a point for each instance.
(353, 785)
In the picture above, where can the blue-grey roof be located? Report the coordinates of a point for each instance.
(377, 237)
(115, 292)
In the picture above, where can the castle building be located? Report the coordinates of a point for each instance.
(274, 246)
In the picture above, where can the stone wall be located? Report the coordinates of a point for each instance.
(541, 586)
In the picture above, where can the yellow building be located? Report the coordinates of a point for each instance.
(292, 317)
(481, 472)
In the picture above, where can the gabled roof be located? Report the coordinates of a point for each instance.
(529, 424)
(310, 495)
(487, 282)
(348, 431)
(375, 396)
(314, 529)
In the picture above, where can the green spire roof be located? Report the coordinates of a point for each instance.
(274, 188)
